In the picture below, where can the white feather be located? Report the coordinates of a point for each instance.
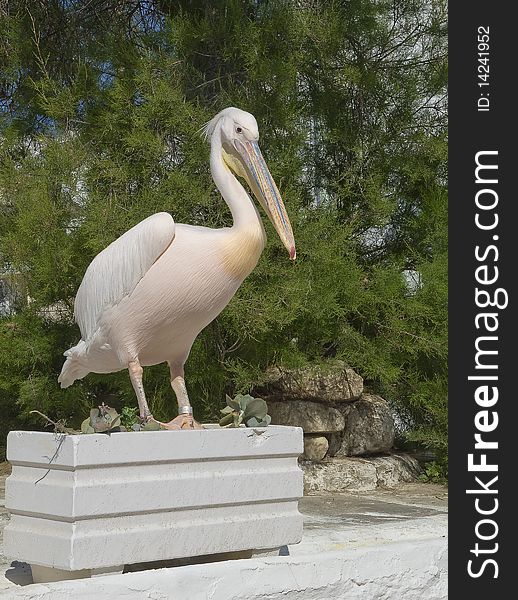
(208, 129)
(114, 272)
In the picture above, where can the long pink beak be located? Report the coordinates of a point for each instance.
(271, 199)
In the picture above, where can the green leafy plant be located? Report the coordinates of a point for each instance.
(129, 417)
(252, 412)
(435, 472)
(131, 422)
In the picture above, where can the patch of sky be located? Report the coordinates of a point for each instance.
(138, 98)
(8, 292)
(151, 19)
(413, 281)
(74, 224)
(46, 125)
(106, 75)
(81, 108)
(375, 237)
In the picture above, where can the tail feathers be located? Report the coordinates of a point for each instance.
(73, 369)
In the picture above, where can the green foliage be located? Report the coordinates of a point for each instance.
(244, 409)
(99, 112)
(129, 417)
(435, 472)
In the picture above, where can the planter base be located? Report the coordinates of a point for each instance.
(49, 574)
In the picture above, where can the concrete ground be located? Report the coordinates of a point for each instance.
(411, 511)
(369, 526)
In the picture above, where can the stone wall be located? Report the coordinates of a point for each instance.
(340, 421)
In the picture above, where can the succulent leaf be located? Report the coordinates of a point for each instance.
(150, 426)
(255, 422)
(116, 422)
(226, 420)
(234, 404)
(256, 407)
(253, 412)
(100, 425)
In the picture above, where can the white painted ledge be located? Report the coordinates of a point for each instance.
(96, 502)
(413, 570)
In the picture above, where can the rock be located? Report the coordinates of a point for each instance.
(395, 469)
(369, 428)
(311, 416)
(332, 382)
(336, 475)
(339, 475)
(315, 447)
(335, 443)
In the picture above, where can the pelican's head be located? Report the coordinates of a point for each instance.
(241, 153)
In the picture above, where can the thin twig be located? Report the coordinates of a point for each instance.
(59, 426)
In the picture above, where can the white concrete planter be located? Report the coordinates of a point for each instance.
(88, 504)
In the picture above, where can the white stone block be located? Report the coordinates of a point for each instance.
(95, 502)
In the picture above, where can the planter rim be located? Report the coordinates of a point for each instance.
(211, 428)
(60, 450)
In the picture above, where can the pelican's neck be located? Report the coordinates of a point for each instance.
(244, 212)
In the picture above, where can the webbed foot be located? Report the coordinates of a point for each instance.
(182, 421)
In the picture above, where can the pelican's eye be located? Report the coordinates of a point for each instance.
(238, 129)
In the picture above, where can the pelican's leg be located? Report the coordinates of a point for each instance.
(185, 419)
(135, 373)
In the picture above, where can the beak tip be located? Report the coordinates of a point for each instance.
(293, 253)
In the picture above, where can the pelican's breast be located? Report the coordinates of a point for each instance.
(241, 249)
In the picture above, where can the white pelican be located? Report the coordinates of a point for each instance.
(145, 298)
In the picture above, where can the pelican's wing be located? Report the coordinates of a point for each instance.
(114, 272)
